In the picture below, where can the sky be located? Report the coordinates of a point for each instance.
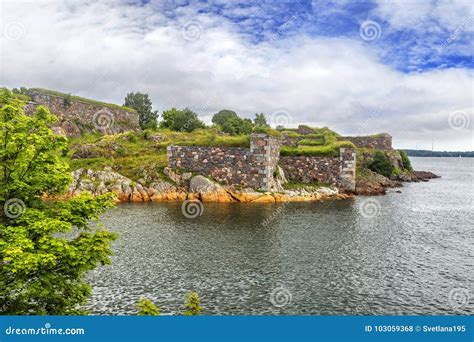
(358, 67)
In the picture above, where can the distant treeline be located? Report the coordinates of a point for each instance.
(426, 153)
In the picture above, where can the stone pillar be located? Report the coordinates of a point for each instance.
(347, 168)
(265, 154)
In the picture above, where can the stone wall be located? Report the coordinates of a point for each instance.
(380, 142)
(337, 171)
(255, 167)
(252, 167)
(76, 116)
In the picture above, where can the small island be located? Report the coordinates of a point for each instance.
(111, 150)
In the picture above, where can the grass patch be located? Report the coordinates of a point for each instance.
(311, 142)
(267, 130)
(331, 150)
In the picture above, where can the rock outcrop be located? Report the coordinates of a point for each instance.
(416, 176)
(208, 191)
(374, 184)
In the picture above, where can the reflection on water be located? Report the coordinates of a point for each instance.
(403, 256)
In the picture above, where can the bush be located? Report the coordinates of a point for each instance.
(405, 160)
(67, 100)
(147, 308)
(381, 164)
(192, 305)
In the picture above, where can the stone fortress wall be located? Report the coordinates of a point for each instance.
(76, 116)
(256, 167)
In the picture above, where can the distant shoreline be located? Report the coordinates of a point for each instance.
(427, 153)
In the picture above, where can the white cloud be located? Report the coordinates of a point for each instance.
(423, 15)
(104, 50)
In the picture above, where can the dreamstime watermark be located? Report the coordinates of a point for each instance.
(370, 30)
(274, 214)
(103, 119)
(46, 330)
(459, 120)
(14, 30)
(370, 208)
(192, 31)
(14, 208)
(375, 114)
(458, 297)
(192, 208)
(280, 297)
(456, 33)
(281, 30)
(280, 118)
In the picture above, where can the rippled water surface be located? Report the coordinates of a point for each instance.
(403, 253)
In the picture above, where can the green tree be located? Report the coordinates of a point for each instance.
(223, 116)
(246, 126)
(192, 304)
(46, 247)
(381, 164)
(260, 120)
(229, 122)
(147, 308)
(181, 120)
(142, 104)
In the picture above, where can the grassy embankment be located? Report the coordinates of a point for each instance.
(322, 142)
(134, 153)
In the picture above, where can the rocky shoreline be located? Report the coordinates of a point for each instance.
(187, 186)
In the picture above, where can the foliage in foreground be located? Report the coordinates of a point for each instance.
(43, 259)
(192, 304)
(147, 308)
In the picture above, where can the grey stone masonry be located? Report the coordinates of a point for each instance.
(255, 167)
(252, 167)
(337, 171)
